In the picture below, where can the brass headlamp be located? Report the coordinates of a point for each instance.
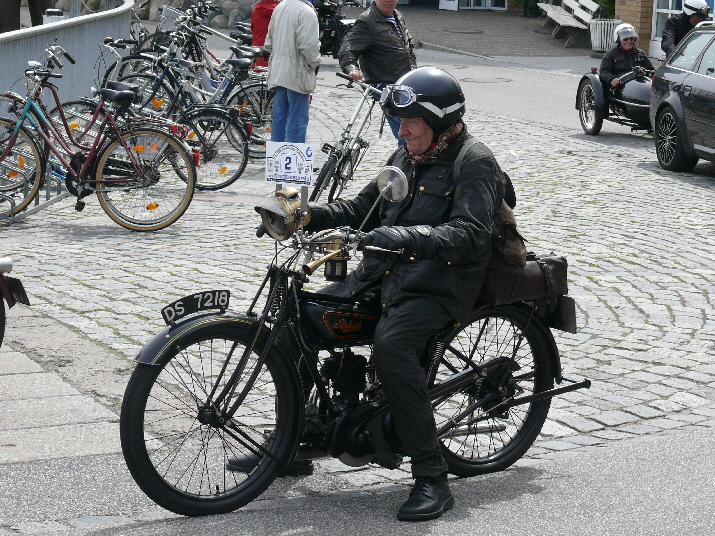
(281, 215)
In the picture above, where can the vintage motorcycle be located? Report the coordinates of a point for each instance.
(332, 26)
(298, 372)
(628, 104)
(11, 291)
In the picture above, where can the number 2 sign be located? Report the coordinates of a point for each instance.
(289, 163)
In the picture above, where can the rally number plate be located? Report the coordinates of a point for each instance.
(194, 303)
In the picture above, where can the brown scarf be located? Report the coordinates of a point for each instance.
(447, 137)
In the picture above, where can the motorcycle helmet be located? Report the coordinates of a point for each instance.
(429, 93)
(696, 7)
(624, 30)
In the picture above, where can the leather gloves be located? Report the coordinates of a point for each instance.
(416, 242)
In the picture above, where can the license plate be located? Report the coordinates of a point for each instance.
(17, 290)
(195, 303)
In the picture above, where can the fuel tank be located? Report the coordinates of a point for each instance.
(337, 321)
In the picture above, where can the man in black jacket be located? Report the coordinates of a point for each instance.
(427, 254)
(623, 58)
(694, 12)
(379, 49)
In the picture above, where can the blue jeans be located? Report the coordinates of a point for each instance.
(290, 115)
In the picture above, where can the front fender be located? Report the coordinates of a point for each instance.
(161, 347)
(597, 89)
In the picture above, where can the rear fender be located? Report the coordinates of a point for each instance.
(597, 90)
(161, 347)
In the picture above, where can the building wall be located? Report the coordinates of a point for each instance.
(639, 13)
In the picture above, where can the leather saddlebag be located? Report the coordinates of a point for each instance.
(542, 277)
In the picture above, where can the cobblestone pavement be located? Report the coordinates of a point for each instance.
(640, 243)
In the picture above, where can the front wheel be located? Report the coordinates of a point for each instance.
(22, 171)
(145, 181)
(324, 177)
(175, 434)
(669, 143)
(515, 352)
(589, 114)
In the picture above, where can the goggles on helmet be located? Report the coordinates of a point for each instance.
(401, 96)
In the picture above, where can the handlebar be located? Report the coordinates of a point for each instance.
(365, 86)
(69, 58)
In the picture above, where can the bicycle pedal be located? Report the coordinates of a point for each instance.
(79, 206)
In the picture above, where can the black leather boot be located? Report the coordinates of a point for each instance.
(430, 498)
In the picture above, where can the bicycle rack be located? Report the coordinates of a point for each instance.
(53, 191)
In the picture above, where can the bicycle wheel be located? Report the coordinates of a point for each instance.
(132, 64)
(152, 99)
(345, 170)
(490, 439)
(325, 177)
(156, 192)
(223, 143)
(172, 437)
(22, 171)
(255, 103)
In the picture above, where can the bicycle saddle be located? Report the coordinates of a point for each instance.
(242, 52)
(122, 86)
(116, 96)
(260, 52)
(190, 64)
(239, 63)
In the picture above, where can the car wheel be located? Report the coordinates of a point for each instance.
(669, 143)
(588, 112)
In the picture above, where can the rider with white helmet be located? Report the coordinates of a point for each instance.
(624, 57)
(694, 12)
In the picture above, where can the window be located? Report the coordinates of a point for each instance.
(686, 56)
(707, 64)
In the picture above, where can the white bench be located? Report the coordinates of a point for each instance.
(570, 20)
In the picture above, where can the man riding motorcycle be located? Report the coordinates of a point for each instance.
(427, 255)
(694, 12)
(623, 57)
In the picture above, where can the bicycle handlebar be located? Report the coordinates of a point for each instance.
(69, 58)
(363, 85)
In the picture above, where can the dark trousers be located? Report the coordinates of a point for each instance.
(10, 19)
(400, 335)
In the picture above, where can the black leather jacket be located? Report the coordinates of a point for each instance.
(675, 29)
(617, 62)
(377, 48)
(457, 213)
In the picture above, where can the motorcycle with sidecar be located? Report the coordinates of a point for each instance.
(627, 104)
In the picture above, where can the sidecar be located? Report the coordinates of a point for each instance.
(628, 104)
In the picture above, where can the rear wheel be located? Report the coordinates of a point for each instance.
(669, 143)
(516, 355)
(223, 143)
(154, 98)
(175, 436)
(147, 186)
(588, 112)
(22, 170)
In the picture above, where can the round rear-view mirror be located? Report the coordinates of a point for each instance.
(392, 183)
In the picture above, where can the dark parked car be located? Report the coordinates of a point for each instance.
(682, 102)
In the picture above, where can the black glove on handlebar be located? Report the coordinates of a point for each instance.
(416, 242)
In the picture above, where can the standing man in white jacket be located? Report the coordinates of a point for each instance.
(294, 45)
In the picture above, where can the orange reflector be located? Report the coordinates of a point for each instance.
(192, 135)
(21, 161)
(139, 148)
(152, 206)
(269, 129)
(154, 146)
(240, 109)
(222, 170)
(12, 174)
(74, 125)
(157, 102)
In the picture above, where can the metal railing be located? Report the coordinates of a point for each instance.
(80, 36)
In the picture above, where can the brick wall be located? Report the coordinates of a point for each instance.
(639, 13)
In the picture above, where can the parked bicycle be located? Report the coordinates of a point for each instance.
(345, 156)
(142, 172)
